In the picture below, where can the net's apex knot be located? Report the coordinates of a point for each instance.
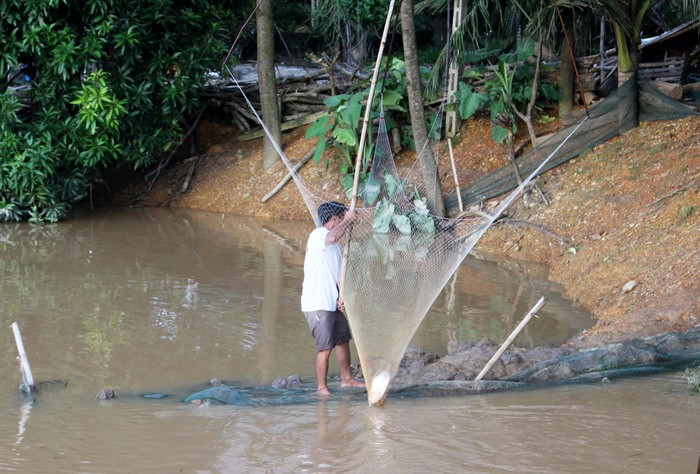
(377, 389)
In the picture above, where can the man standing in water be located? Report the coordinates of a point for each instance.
(320, 298)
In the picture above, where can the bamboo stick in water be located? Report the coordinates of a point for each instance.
(23, 360)
(516, 331)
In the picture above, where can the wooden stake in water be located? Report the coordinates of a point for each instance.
(513, 335)
(23, 361)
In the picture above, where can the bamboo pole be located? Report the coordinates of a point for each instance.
(368, 108)
(382, 379)
(516, 331)
(363, 136)
(23, 360)
(454, 173)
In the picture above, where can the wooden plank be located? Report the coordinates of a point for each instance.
(671, 62)
(666, 76)
(307, 119)
(674, 91)
(675, 67)
(690, 88)
(661, 70)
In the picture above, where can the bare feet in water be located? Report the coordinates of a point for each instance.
(353, 383)
(324, 392)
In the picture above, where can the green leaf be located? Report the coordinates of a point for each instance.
(355, 109)
(382, 217)
(470, 101)
(421, 218)
(499, 134)
(544, 118)
(320, 148)
(473, 73)
(550, 92)
(319, 128)
(391, 184)
(345, 135)
(402, 223)
(336, 100)
(421, 207)
(370, 193)
(526, 48)
(391, 100)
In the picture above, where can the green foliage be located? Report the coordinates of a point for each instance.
(349, 23)
(387, 213)
(382, 217)
(508, 82)
(344, 121)
(415, 220)
(469, 100)
(290, 16)
(429, 55)
(687, 211)
(499, 134)
(111, 84)
(544, 118)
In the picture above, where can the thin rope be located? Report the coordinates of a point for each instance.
(285, 160)
(509, 200)
(233, 45)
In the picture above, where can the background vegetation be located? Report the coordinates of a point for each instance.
(89, 84)
(111, 82)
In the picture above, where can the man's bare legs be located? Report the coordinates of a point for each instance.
(342, 353)
(322, 371)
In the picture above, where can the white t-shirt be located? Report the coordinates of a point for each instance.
(321, 273)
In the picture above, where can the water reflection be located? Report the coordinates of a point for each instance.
(162, 301)
(272, 270)
(25, 411)
(220, 294)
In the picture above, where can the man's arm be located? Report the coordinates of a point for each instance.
(335, 233)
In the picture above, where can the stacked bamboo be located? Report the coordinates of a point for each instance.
(301, 98)
(671, 70)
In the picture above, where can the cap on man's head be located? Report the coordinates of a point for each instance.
(327, 210)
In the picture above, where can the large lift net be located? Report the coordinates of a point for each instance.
(398, 254)
(399, 258)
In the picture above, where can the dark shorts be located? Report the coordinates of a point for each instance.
(329, 329)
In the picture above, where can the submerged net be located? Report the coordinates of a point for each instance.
(399, 255)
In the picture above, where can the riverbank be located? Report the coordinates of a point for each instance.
(621, 232)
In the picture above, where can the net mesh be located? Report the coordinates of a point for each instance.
(399, 258)
(398, 255)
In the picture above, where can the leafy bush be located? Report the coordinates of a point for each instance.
(509, 80)
(111, 83)
(344, 123)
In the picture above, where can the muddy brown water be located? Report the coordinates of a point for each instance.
(162, 301)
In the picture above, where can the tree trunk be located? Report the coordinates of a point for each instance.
(428, 161)
(627, 52)
(266, 77)
(566, 81)
(626, 64)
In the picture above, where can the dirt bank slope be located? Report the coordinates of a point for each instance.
(629, 210)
